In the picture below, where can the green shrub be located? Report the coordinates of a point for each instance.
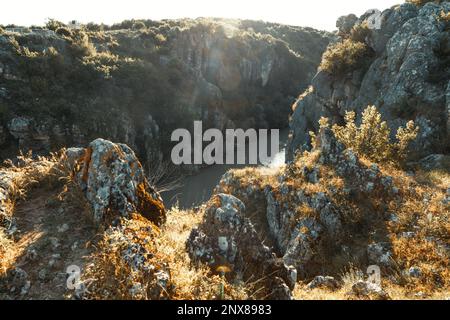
(63, 31)
(53, 24)
(139, 25)
(345, 56)
(80, 44)
(360, 32)
(94, 27)
(444, 16)
(371, 139)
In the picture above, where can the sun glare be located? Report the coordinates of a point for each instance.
(317, 14)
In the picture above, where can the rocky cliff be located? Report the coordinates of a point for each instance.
(404, 71)
(65, 87)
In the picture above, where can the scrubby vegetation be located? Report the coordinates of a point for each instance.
(129, 259)
(344, 57)
(412, 221)
(423, 2)
(372, 138)
(16, 181)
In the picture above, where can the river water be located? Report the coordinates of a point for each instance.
(196, 189)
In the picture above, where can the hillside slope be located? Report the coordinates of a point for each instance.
(137, 81)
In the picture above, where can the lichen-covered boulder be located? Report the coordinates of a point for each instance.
(323, 282)
(227, 238)
(369, 290)
(316, 211)
(114, 183)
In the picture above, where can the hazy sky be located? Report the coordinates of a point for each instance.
(319, 14)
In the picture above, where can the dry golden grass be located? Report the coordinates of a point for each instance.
(28, 173)
(6, 254)
(42, 171)
(419, 207)
(351, 276)
(110, 276)
(190, 282)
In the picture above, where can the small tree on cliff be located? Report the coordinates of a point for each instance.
(371, 139)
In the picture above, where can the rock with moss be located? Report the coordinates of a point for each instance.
(369, 290)
(311, 224)
(227, 241)
(114, 182)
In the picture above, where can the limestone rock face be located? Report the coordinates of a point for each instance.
(306, 224)
(223, 72)
(300, 243)
(227, 238)
(41, 136)
(346, 23)
(407, 78)
(2, 135)
(113, 181)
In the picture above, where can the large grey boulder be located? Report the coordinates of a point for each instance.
(114, 183)
(21, 128)
(227, 238)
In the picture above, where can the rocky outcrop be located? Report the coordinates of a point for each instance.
(407, 78)
(227, 240)
(308, 224)
(126, 257)
(114, 183)
(301, 242)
